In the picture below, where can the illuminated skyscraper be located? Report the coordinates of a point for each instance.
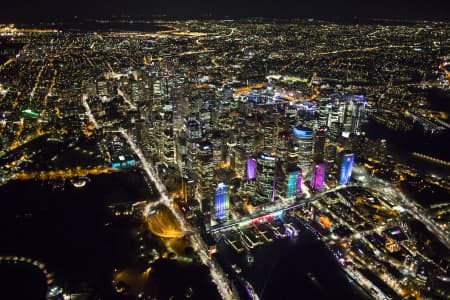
(283, 145)
(193, 137)
(240, 162)
(218, 145)
(330, 158)
(319, 143)
(347, 158)
(290, 182)
(335, 131)
(265, 179)
(222, 202)
(358, 113)
(205, 176)
(266, 131)
(251, 168)
(318, 176)
(303, 142)
(193, 129)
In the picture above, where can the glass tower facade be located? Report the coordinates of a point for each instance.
(348, 159)
(222, 202)
(294, 183)
(265, 179)
(318, 176)
(303, 142)
(251, 168)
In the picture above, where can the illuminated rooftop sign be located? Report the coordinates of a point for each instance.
(302, 132)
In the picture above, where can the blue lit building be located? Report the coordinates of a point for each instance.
(222, 202)
(347, 158)
(294, 183)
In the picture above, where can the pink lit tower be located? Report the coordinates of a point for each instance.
(318, 176)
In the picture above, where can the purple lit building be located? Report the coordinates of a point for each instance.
(318, 176)
(251, 168)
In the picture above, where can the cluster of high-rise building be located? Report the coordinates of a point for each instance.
(276, 148)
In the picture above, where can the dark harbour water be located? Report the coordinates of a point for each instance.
(21, 281)
(280, 270)
(80, 241)
(66, 229)
(402, 145)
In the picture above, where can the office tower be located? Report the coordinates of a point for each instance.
(330, 158)
(319, 143)
(180, 106)
(283, 145)
(306, 110)
(347, 117)
(289, 174)
(294, 182)
(240, 161)
(230, 155)
(193, 129)
(303, 145)
(155, 134)
(251, 168)
(217, 139)
(169, 144)
(358, 113)
(140, 90)
(317, 176)
(248, 134)
(289, 182)
(204, 178)
(267, 132)
(335, 131)
(357, 118)
(347, 159)
(324, 114)
(193, 136)
(222, 202)
(265, 179)
(205, 120)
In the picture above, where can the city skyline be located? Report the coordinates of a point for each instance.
(224, 158)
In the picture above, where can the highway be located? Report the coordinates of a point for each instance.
(277, 208)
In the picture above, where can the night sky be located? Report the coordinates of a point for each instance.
(49, 10)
